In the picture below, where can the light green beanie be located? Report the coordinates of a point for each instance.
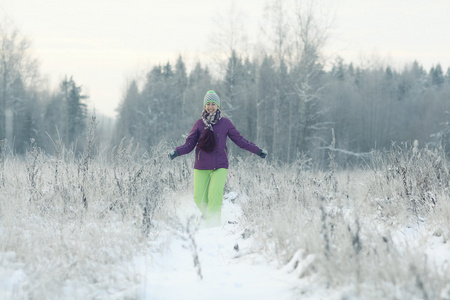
(211, 96)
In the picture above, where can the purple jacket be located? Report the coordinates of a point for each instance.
(219, 157)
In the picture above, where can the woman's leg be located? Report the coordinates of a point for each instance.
(201, 184)
(215, 196)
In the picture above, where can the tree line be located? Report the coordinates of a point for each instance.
(28, 112)
(358, 109)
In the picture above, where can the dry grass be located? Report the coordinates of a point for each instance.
(67, 220)
(363, 229)
(70, 221)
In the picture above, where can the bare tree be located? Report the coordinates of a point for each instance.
(277, 30)
(228, 36)
(16, 65)
(296, 40)
(310, 36)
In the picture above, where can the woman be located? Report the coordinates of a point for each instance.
(209, 137)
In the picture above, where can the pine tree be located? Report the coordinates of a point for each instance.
(437, 76)
(181, 82)
(232, 87)
(75, 110)
(128, 113)
(199, 82)
(25, 116)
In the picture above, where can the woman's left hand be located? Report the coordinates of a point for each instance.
(262, 153)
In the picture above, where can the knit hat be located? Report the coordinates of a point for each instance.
(211, 96)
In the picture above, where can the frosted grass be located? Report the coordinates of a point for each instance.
(71, 224)
(74, 227)
(379, 232)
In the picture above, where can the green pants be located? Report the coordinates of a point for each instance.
(208, 193)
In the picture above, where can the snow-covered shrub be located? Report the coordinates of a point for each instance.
(414, 183)
(360, 228)
(413, 175)
(69, 226)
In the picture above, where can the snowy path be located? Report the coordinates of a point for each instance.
(227, 273)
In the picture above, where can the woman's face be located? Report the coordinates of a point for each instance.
(211, 107)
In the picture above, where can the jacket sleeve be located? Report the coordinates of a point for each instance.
(191, 141)
(239, 140)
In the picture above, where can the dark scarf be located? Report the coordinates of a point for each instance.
(211, 119)
(207, 141)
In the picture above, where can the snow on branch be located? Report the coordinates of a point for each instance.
(347, 152)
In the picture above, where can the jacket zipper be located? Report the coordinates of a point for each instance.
(198, 156)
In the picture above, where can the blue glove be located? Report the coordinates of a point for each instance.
(173, 154)
(262, 153)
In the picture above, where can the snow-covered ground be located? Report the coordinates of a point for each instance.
(232, 265)
(293, 234)
(227, 267)
(230, 268)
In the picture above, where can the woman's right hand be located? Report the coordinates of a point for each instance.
(173, 154)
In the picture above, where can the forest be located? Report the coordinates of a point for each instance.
(288, 102)
(366, 108)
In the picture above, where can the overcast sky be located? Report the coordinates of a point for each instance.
(102, 43)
